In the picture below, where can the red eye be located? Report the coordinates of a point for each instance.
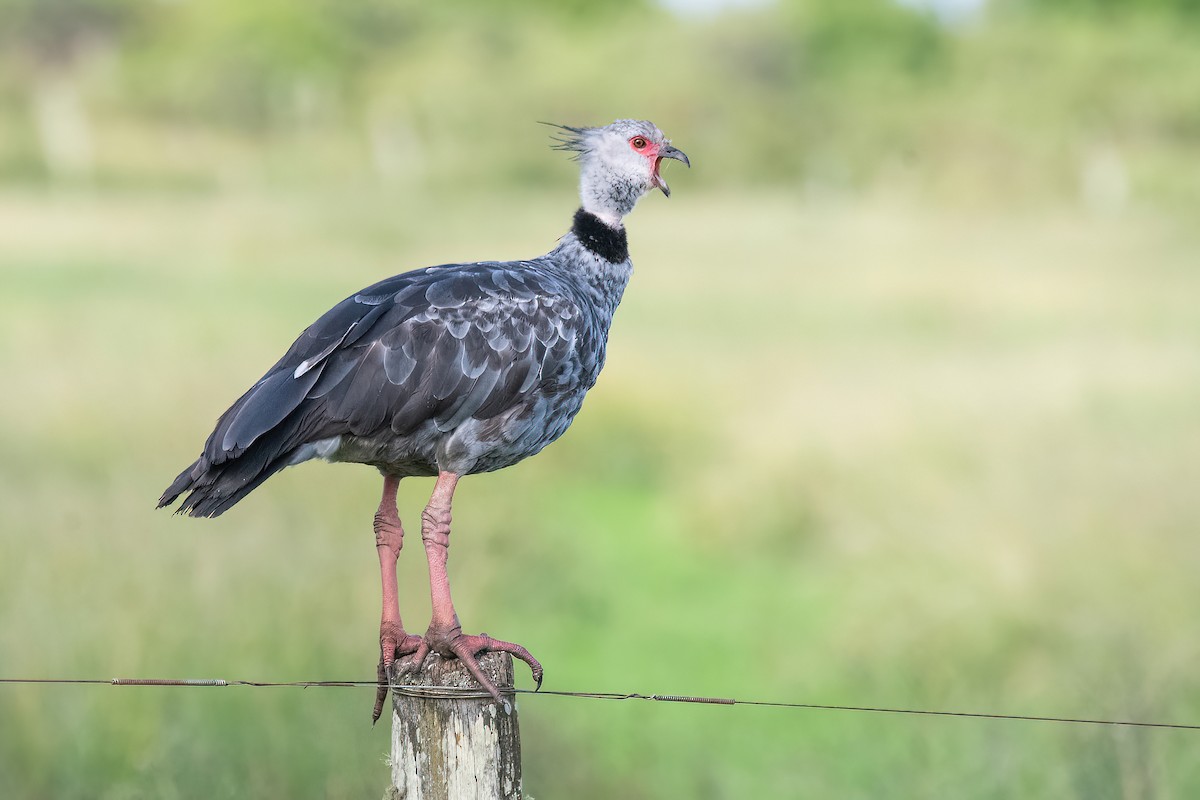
(638, 142)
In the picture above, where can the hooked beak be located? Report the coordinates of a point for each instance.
(667, 152)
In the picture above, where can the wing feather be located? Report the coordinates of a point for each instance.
(263, 407)
(442, 345)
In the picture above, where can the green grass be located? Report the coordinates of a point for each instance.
(860, 455)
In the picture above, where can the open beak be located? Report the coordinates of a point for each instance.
(667, 151)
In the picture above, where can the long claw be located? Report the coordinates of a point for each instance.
(392, 644)
(521, 653)
(465, 649)
(381, 690)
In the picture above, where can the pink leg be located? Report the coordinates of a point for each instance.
(445, 635)
(394, 641)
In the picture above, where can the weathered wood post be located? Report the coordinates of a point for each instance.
(449, 739)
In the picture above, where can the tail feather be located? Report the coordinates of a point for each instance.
(218, 489)
(181, 484)
(212, 489)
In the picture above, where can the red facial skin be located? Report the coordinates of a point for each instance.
(648, 149)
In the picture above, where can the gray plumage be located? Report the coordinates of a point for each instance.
(463, 367)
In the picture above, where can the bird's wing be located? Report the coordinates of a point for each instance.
(443, 344)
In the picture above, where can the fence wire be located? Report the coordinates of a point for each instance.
(451, 693)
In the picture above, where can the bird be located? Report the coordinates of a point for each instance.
(444, 372)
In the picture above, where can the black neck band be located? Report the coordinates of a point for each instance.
(608, 243)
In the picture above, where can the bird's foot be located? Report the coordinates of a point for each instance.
(453, 643)
(394, 642)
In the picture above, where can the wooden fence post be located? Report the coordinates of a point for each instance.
(454, 747)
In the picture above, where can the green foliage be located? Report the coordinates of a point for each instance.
(828, 99)
(863, 36)
(1109, 9)
(938, 457)
(903, 458)
(50, 31)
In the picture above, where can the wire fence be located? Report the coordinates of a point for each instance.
(458, 694)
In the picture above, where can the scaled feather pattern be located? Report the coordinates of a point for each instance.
(459, 368)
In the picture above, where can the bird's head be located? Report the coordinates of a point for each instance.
(618, 164)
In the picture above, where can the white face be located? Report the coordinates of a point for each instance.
(620, 155)
(619, 165)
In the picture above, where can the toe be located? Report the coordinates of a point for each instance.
(521, 653)
(413, 665)
(394, 643)
(465, 649)
(381, 690)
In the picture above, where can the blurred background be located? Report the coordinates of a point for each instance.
(902, 405)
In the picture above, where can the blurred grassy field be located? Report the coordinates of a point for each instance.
(849, 454)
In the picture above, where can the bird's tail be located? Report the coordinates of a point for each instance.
(218, 479)
(255, 438)
(214, 489)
